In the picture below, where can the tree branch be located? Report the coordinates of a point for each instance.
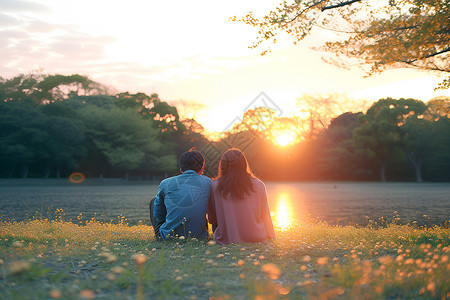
(428, 56)
(340, 4)
(302, 11)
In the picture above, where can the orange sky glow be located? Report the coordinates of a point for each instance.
(187, 52)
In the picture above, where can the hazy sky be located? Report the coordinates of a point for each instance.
(183, 50)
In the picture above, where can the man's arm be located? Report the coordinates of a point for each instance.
(160, 211)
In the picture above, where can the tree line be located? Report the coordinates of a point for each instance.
(394, 140)
(53, 125)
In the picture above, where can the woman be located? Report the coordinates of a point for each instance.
(238, 209)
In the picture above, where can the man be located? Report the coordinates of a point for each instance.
(179, 208)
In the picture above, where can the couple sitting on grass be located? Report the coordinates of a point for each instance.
(235, 202)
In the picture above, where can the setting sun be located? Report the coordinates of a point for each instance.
(285, 139)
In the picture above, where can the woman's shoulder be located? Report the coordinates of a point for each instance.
(258, 183)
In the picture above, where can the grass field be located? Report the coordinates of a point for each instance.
(45, 259)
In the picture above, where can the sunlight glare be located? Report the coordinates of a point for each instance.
(283, 211)
(285, 139)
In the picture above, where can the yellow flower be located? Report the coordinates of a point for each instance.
(139, 259)
(17, 244)
(18, 267)
(322, 261)
(271, 271)
(55, 294)
(88, 294)
(385, 260)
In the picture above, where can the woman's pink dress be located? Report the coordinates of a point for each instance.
(245, 220)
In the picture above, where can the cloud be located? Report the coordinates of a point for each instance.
(22, 6)
(7, 20)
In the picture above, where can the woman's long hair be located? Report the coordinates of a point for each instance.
(234, 175)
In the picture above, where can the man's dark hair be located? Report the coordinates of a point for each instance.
(191, 160)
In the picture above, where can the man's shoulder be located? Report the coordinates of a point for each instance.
(206, 179)
(181, 178)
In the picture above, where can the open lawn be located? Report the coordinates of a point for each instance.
(42, 259)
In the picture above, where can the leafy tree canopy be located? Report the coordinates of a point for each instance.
(45, 88)
(383, 34)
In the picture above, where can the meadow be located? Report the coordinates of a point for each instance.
(50, 258)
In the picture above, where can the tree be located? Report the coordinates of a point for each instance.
(45, 88)
(66, 144)
(437, 117)
(122, 139)
(23, 138)
(382, 34)
(317, 110)
(338, 158)
(393, 123)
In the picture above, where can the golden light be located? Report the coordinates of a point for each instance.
(285, 139)
(283, 212)
(284, 132)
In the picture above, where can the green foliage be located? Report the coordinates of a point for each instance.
(53, 124)
(382, 35)
(389, 124)
(44, 88)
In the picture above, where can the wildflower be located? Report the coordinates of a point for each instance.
(306, 258)
(308, 283)
(322, 261)
(88, 294)
(284, 291)
(111, 259)
(241, 262)
(211, 243)
(17, 244)
(220, 256)
(431, 287)
(18, 267)
(139, 259)
(271, 271)
(117, 270)
(179, 278)
(181, 237)
(385, 260)
(256, 263)
(111, 276)
(261, 257)
(55, 294)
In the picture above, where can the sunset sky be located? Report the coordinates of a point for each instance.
(183, 50)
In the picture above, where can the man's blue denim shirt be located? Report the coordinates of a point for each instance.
(181, 203)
